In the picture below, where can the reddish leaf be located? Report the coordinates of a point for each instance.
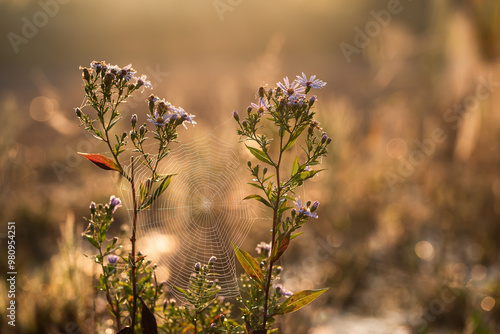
(281, 246)
(101, 161)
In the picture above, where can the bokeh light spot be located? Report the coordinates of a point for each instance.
(42, 108)
(488, 303)
(424, 250)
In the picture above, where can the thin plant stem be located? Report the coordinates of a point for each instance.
(273, 237)
(132, 240)
(115, 312)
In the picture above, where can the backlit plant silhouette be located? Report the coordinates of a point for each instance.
(128, 279)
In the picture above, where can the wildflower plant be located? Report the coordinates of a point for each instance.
(106, 88)
(128, 278)
(292, 115)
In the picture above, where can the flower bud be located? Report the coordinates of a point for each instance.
(312, 100)
(328, 141)
(324, 138)
(249, 163)
(264, 171)
(213, 325)
(115, 239)
(86, 74)
(197, 266)
(133, 120)
(308, 204)
(222, 317)
(78, 112)
(270, 92)
(108, 79)
(142, 130)
(244, 123)
(262, 91)
(314, 206)
(236, 116)
(212, 260)
(92, 207)
(249, 110)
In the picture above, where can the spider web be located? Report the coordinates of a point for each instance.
(198, 216)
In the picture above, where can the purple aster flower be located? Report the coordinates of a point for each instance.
(112, 259)
(159, 120)
(292, 89)
(262, 106)
(281, 290)
(127, 72)
(186, 118)
(114, 203)
(142, 82)
(163, 106)
(98, 65)
(312, 82)
(114, 69)
(304, 211)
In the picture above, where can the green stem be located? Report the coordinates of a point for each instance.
(273, 238)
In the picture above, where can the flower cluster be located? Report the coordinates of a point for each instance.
(162, 112)
(308, 210)
(114, 74)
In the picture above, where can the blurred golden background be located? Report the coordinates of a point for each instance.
(407, 238)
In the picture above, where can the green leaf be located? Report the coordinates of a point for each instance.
(281, 245)
(295, 235)
(293, 138)
(306, 175)
(299, 300)
(158, 191)
(92, 241)
(260, 199)
(101, 161)
(249, 264)
(295, 167)
(261, 155)
(182, 291)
